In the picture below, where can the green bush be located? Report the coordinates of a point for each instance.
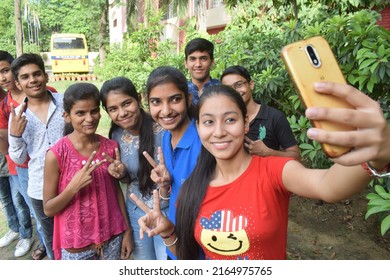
(254, 38)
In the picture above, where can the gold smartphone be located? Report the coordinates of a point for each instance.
(309, 61)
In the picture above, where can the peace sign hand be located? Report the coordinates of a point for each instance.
(83, 177)
(153, 222)
(18, 121)
(159, 173)
(116, 169)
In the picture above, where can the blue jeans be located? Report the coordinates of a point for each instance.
(22, 187)
(148, 248)
(46, 224)
(15, 208)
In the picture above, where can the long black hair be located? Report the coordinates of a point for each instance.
(146, 132)
(195, 187)
(77, 92)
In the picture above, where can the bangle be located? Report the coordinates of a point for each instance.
(170, 245)
(20, 136)
(164, 198)
(170, 235)
(375, 173)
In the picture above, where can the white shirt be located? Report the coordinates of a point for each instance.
(35, 141)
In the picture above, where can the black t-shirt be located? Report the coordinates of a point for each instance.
(271, 126)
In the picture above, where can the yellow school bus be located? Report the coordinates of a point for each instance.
(69, 53)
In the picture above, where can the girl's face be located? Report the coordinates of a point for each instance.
(221, 127)
(168, 106)
(124, 110)
(84, 116)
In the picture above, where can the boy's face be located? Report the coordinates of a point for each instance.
(7, 80)
(241, 85)
(32, 81)
(198, 64)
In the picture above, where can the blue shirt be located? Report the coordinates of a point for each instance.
(194, 90)
(180, 163)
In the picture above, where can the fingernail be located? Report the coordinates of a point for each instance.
(312, 133)
(319, 85)
(311, 112)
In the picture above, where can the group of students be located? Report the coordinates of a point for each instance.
(208, 171)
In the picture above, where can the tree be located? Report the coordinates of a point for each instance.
(18, 27)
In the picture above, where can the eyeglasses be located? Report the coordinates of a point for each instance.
(239, 84)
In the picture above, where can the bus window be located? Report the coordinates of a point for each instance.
(69, 53)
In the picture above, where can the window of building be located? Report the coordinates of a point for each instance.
(216, 3)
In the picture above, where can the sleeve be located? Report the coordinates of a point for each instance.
(17, 149)
(4, 115)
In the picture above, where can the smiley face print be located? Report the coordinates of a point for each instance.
(223, 234)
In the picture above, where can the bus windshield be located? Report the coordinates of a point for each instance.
(68, 43)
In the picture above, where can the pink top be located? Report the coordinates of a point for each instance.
(94, 215)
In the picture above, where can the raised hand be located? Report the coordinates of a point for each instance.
(83, 177)
(371, 140)
(116, 168)
(18, 121)
(159, 173)
(256, 147)
(153, 222)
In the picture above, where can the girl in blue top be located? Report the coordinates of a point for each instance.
(170, 106)
(136, 132)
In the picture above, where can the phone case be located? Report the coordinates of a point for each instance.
(304, 73)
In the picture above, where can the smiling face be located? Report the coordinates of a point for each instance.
(198, 65)
(7, 80)
(221, 128)
(240, 84)
(32, 81)
(168, 106)
(225, 243)
(84, 116)
(124, 110)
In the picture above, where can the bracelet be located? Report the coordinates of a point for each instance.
(20, 136)
(375, 173)
(170, 245)
(164, 198)
(166, 237)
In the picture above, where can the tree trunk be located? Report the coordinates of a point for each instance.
(201, 17)
(18, 26)
(103, 32)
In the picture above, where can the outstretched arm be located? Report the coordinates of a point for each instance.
(370, 143)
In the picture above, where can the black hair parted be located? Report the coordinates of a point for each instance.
(199, 44)
(238, 70)
(25, 59)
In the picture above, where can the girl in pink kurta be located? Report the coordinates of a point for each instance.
(86, 202)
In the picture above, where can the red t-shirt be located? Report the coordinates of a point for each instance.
(4, 117)
(246, 219)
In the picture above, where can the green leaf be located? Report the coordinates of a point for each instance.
(374, 210)
(305, 146)
(385, 225)
(372, 196)
(382, 192)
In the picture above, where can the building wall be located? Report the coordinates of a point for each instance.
(385, 22)
(117, 21)
(217, 18)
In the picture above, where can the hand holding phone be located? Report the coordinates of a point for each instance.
(309, 61)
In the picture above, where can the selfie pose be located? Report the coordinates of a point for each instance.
(235, 205)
